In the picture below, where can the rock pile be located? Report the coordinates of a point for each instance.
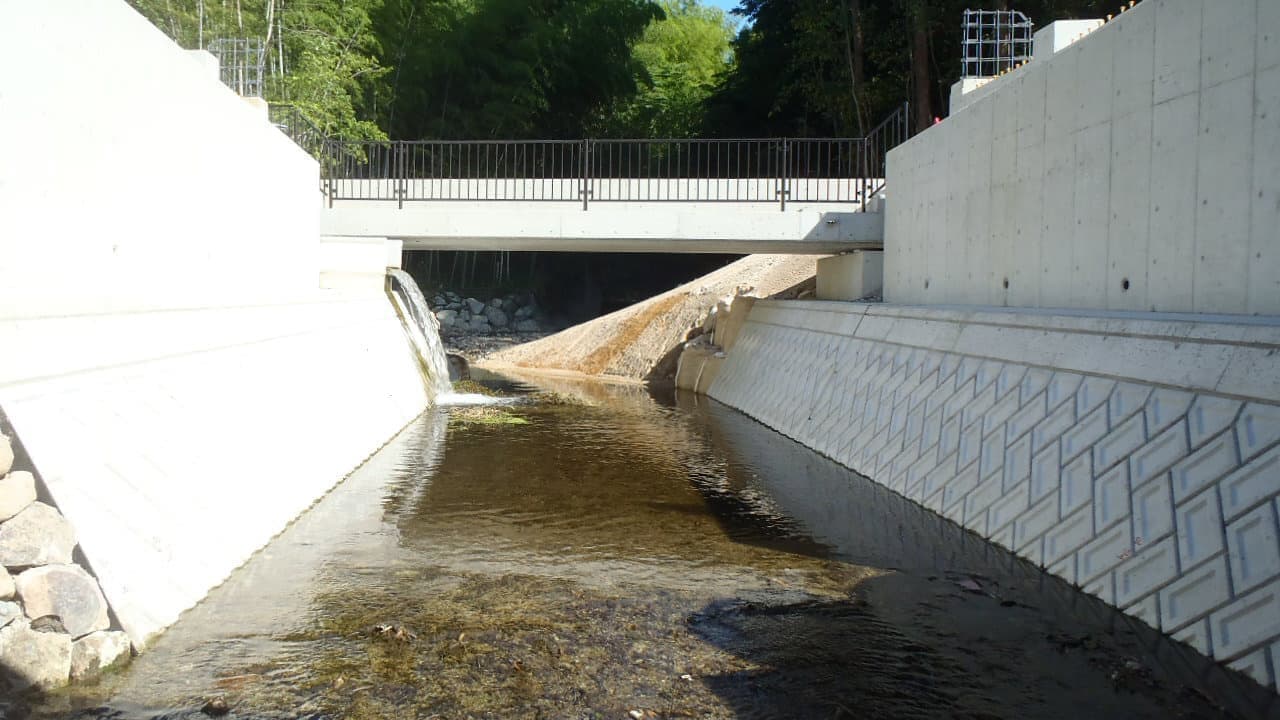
(54, 625)
(469, 316)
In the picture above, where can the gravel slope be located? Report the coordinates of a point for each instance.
(639, 342)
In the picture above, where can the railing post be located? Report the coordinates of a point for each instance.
(783, 183)
(401, 172)
(584, 182)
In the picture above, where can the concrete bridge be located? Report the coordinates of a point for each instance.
(774, 195)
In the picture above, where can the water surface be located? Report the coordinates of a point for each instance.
(592, 551)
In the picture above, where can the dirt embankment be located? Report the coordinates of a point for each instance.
(641, 341)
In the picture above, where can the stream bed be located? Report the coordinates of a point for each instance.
(595, 550)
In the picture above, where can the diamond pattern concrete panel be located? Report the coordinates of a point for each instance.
(1252, 549)
(1210, 415)
(1127, 399)
(1152, 511)
(1251, 484)
(1054, 425)
(1258, 428)
(1068, 535)
(1152, 566)
(1104, 552)
(1122, 441)
(1165, 406)
(1136, 493)
(1111, 497)
(1204, 466)
(1194, 594)
(1159, 455)
(1246, 623)
(1077, 484)
(1085, 433)
(1199, 522)
(1045, 471)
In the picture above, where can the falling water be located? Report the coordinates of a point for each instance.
(423, 328)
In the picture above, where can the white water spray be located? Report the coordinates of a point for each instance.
(423, 329)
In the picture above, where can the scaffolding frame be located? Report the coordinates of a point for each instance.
(994, 41)
(241, 64)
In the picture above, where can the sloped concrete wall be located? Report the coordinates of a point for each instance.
(182, 383)
(1136, 456)
(1136, 169)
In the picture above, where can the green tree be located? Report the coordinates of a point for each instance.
(322, 55)
(817, 67)
(507, 68)
(683, 56)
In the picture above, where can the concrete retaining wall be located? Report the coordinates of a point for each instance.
(1136, 169)
(180, 380)
(1136, 456)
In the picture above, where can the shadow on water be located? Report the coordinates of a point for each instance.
(960, 628)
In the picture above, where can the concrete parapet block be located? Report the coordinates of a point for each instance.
(1057, 36)
(852, 276)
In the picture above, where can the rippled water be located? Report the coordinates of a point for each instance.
(591, 551)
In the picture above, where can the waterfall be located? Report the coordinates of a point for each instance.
(423, 329)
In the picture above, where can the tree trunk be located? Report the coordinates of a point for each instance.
(921, 79)
(853, 54)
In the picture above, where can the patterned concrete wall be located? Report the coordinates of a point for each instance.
(1125, 469)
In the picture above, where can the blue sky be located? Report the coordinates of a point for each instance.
(725, 5)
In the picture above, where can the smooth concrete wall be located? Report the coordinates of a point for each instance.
(182, 383)
(1136, 456)
(132, 180)
(711, 227)
(1146, 153)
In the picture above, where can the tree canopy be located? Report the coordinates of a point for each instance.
(505, 69)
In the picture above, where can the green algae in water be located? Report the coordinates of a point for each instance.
(477, 388)
(484, 415)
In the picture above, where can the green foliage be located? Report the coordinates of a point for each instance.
(796, 58)
(332, 64)
(682, 57)
(462, 69)
(322, 55)
(507, 68)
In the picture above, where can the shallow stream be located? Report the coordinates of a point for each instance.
(591, 550)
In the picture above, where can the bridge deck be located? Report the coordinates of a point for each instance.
(682, 227)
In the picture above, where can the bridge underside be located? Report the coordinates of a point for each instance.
(709, 227)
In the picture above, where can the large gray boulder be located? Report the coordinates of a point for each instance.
(38, 535)
(447, 317)
(7, 588)
(68, 592)
(496, 316)
(93, 653)
(479, 324)
(528, 326)
(524, 312)
(475, 306)
(6, 455)
(17, 491)
(31, 657)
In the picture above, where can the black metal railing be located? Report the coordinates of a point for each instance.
(781, 170)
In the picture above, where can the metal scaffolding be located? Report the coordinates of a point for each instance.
(994, 41)
(241, 62)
